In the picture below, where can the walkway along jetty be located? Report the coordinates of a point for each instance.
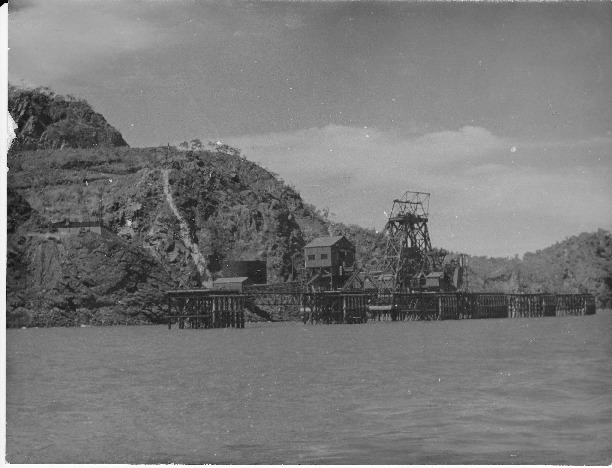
(202, 308)
(412, 281)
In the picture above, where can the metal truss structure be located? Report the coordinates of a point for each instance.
(408, 251)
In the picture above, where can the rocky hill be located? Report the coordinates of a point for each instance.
(47, 120)
(580, 264)
(176, 214)
(186, 212)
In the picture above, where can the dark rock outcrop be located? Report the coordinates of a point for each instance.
(18, 210)
(83, 279)
(46, 120)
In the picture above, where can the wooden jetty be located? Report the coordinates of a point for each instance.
(202, 308)
(454, 306)
(335, 307)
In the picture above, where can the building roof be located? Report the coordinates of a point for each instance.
(232, 279)
(75, 224)
(435, 274)
(324, 241)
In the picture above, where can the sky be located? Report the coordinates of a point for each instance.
(502, 111)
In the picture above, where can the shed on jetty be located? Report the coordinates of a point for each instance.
(335, 252)
(236, 283)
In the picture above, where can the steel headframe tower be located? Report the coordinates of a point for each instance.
(408, 250)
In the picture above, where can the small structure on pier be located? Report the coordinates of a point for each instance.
(236, 283)
(435, 281)
(256, 270)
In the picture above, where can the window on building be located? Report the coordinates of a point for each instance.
(311, 257)
(323, 256)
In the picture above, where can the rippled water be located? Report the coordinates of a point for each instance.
(477, 391)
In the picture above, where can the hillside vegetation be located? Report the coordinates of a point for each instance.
(177, 215)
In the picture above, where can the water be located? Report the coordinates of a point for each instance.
(524, 391)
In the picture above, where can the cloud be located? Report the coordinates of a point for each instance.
(16, 5)
(367, 157)
(341, 149)
(60, 38)
(545, 190)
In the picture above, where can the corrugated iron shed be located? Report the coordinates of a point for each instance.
(234, 279)
(235, 283)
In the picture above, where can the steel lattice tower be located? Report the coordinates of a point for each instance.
(408, 250)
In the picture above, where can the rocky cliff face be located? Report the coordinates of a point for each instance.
(46, 120)
(82, 279)
(57, 280)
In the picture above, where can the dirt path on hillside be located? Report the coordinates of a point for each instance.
(196, 255)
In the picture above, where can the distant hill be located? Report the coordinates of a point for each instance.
(47, 120)
(580, 264)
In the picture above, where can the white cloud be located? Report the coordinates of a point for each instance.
(477, 183)
(59, 38)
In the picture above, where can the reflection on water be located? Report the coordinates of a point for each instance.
(518, 391)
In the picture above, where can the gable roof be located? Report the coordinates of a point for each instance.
(233, 279)
(325, 241)
(435, 274)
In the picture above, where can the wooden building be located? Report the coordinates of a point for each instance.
(418, 281)
(329, 262)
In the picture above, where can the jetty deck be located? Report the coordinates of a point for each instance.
(202, 308)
